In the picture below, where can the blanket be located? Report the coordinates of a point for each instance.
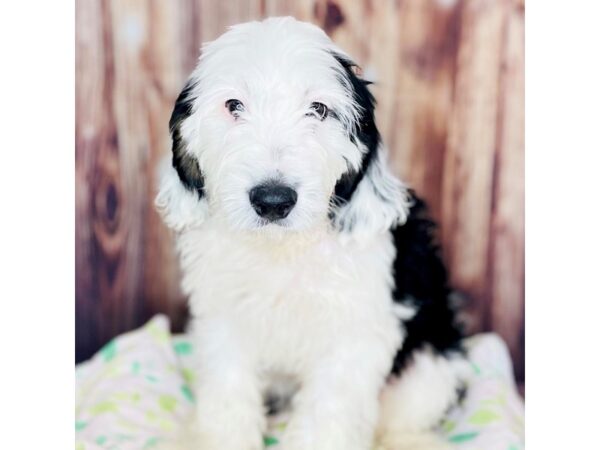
(135, 394)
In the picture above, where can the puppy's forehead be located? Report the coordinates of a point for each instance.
(274, 51)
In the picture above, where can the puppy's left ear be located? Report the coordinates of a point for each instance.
(378, 202)
(368, 199)
(181, 200)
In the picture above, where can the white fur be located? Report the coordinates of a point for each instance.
(305, 298)
(412, 403)
(179, 208)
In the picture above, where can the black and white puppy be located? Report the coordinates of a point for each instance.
(305, 260)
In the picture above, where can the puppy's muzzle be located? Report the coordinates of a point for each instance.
(273, 201)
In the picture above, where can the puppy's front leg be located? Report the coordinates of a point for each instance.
(337, 407)
(229, 411)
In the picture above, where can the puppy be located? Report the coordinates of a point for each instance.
(311, 270)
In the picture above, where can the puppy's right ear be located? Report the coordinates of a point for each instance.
(181, 200)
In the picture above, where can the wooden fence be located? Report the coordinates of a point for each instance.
(450, 87)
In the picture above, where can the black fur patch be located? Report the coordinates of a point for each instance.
(185, 164)
(365, 131)
(422, 282)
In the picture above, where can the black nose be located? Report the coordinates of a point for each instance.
(273, 201)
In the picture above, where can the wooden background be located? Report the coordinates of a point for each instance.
(450, 87)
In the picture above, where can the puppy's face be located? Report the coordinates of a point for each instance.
(273, 130)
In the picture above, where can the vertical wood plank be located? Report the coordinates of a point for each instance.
(129, 30)
(416, 95)
(189, 30)
(469, 161)
(301, 10)
(91, 114)
(165, 66)
(507, 252)
(217, 16)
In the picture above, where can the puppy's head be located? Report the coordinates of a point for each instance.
(275, 132)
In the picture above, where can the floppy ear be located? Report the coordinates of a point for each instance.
(181, 199)
(368, 199)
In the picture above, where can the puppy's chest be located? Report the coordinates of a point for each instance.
(294, 295)
(228, 274)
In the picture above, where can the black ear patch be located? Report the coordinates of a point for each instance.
(185, 164)
(364, 130)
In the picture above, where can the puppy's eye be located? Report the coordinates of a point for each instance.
(319, 110)
(234, 106)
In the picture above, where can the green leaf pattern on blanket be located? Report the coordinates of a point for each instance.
(167, 402)
(187, 393)
(103, 407)
(188, 375)
(463, 437)
(483, 417)
(270, 440)
(151, 378)
(150, 374)
(182, 348)
(135, 367)
(109, 351)
(151, 442)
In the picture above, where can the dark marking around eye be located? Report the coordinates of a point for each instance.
(319, 110)
(234, 106)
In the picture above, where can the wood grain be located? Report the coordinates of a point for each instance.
(506, 262)
(469, 161)
(450, 87)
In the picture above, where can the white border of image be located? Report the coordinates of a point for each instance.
(562, 149)
(37, 224)
(562, 223)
